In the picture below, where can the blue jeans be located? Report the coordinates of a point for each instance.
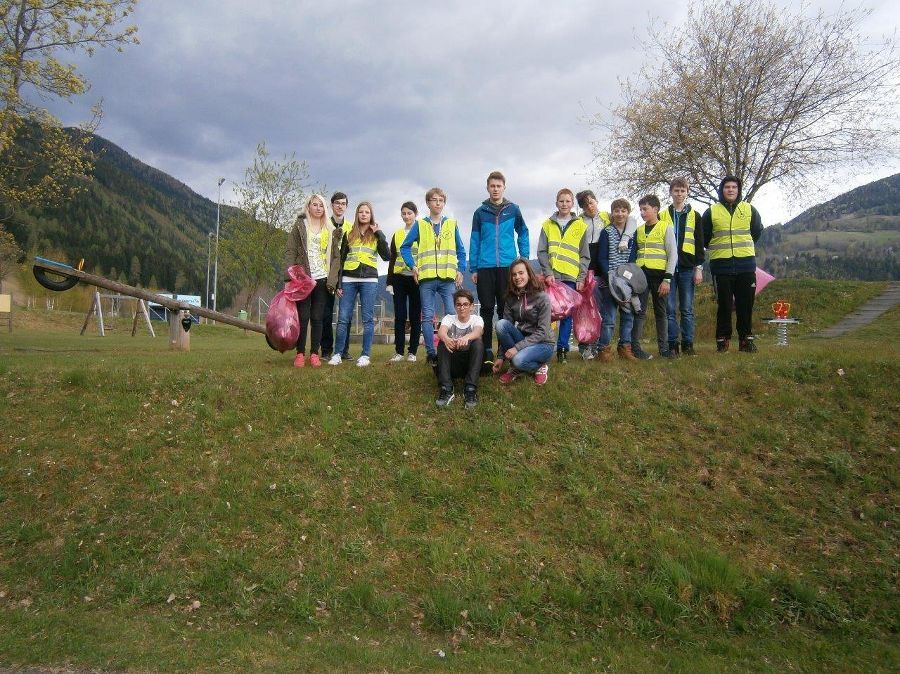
(428, 290)
(682, 287)
(608, 309)
(565, 327)
(528, 359)
(367, 292)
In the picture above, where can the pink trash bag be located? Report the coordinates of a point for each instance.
(563, 300)
(282, 321)
(586, 318)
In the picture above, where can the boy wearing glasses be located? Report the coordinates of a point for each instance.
(460, 351)
(338, 208)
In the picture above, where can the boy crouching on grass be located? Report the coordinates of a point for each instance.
(460, 351)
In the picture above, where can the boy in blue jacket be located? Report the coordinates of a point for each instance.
(499, 236)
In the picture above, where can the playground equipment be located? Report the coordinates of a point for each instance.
(58, 276)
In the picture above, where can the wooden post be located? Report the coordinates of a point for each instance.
(139, 310)
(179, 338)
(95, 308)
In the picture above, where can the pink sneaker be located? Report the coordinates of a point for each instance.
(314, 360)
(510, 375)
(540, 375)
(300, 360)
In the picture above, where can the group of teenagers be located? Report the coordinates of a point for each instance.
(658, 262)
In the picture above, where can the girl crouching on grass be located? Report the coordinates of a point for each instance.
(357, 275)
(526, 339)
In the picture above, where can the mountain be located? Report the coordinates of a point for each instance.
(853, 236)
(133, 223)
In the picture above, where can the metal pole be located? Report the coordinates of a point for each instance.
(215, 296)
(208, 258)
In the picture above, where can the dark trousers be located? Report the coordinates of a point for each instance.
(735, 292)
(327, 326)
(660, 315)
(406, 294)
(311, 310)
(456, 364)
(491, 287)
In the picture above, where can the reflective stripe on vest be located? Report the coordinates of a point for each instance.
(399, 238)
(564, 248)
(361, 253)
(437, 259)
(690, 224)
(651, 248)
(731, 232)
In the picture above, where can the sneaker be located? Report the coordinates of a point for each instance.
(540, 375)
(624, 351)
(722, 345)
(509, 376)
(487, 367)
(670, 354)
(411, 358)
(445, 397)
(561, 356)
(300, 360)
(335, 359)
(687, 348)
(639, 353)
(590, 353)
(673, 347)
(432, 359)
(396, 358)
(471, 398)
(363, 361)
(747, 345)
(315, 361)
(345, 355)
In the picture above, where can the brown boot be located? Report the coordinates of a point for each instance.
(604, 355)
(624, 351)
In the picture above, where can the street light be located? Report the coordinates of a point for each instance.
(216, 268)
(208, 258)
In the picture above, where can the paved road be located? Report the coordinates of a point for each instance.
(864, 315)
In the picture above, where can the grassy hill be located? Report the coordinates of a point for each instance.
(219, 511)
(854, 236)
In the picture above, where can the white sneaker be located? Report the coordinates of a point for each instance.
(411, 358)
(335, 359)
(363, 361)
(396, 358)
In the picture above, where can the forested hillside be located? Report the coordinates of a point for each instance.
(133, 223)
(854, 236)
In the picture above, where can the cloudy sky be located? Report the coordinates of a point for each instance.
(386, 99)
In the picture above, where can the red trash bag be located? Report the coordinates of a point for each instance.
(282, 321)
(563, 300)
(587, 316)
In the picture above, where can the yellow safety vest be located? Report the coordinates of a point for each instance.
(690, 225)
(437, 259)
(399, 238)
(731, 232)
(606, 217)
(361, 253)
(347, 226)
(651, 248)
(565, 248)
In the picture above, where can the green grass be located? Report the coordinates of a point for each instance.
(720, 513)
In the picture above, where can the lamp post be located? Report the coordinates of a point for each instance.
(216, 268)
(208, 258)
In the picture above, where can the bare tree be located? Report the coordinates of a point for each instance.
(9, 254)
(269, 200)
(751, 89)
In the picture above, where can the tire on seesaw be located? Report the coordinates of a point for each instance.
(64, 284)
